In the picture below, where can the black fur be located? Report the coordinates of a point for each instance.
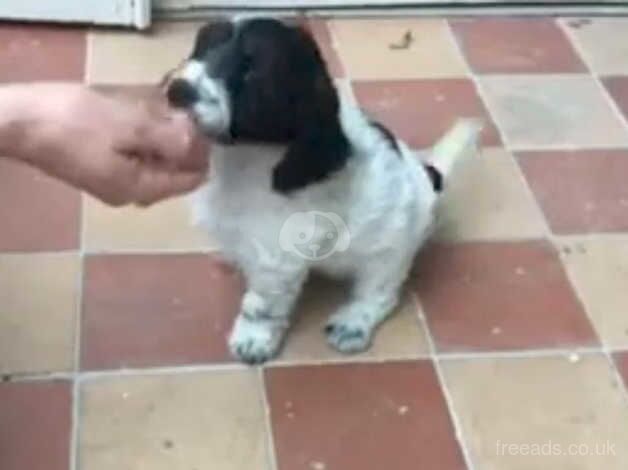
(387, 134)
(280, 92)
(211, 35)
(435, 176)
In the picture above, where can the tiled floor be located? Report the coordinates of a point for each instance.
(509, 350)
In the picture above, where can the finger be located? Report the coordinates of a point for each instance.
(197, 158)
(156, 184)
(177, 145)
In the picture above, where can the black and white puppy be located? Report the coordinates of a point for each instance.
(301, 179)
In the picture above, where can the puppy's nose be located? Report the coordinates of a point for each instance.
(181, 94)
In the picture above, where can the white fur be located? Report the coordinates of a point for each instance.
(212, 109)
(384, 200)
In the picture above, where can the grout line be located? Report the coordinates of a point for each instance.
(210, 250)
(75, 432)
(565, 147)
(268, 424)
(153, 251)
(527, 188)
(538, 76)
(40, 376)
(347, 359)
(76, 390)
(161, 370)
(334, 43)
(89, 45)
(449, 402)
(523, 354)
(575, 237)
(8, 254)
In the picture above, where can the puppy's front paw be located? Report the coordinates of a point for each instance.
(254, 342)
(348, 335)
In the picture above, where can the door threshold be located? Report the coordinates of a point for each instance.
(431, 9)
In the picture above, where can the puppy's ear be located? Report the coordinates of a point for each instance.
(210, 35)
(320, 146)
(312, 157)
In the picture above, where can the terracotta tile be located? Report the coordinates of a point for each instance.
(592, 196)
(551, 405)
(400, 336)
(164, 226)
(621, 361)
(38, 212)
(499, 296)
(552, 111)
(38, 308)
(618, 89)
(184, 421)
(36, 421)
(35, 52)
(375, 49)
(320, 30)
(516, 45)
(394, 413)
(147, 57)
(603, 41)
(154, 310)
(488, 199)
(421, 111)
(598, 268)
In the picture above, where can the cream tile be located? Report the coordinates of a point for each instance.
(598, 268)
(400, 336)
(540, 402)
(603, 41)
(123, 57)
(38, 306)
(552, 111)
(488, 199)
(365, 49)
(166, 225)
(186, 421)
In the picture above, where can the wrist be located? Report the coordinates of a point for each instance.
(14, 117)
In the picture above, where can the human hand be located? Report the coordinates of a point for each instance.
(118, 150)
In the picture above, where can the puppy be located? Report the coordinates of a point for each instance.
(302, 179)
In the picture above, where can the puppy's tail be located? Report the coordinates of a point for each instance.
(458, 145)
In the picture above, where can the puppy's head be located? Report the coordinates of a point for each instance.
(258, 79)
(264, 80)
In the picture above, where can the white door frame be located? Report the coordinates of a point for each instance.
(135, 13)
(292, 4)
